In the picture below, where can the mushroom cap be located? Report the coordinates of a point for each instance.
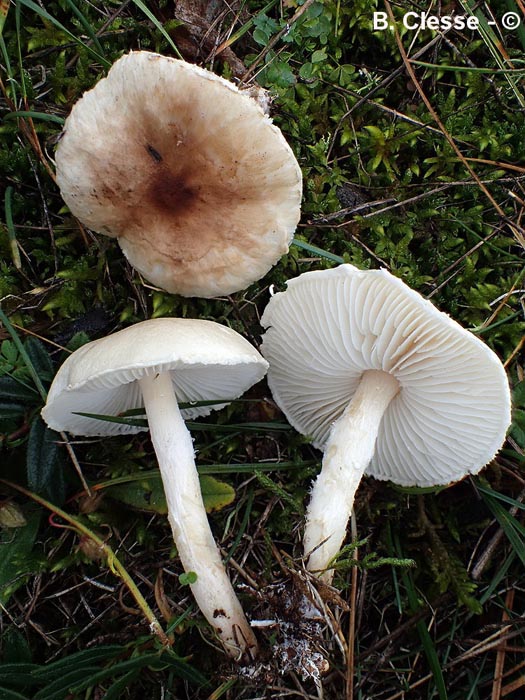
(200, 188)
(207, 361)
(453, 408)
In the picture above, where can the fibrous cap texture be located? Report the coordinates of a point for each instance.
(452, 410)
(200, 188)
(207, 361)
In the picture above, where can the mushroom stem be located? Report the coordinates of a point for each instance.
(348, 451)
(187, 516)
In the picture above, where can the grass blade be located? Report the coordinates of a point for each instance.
(512, 528)
(149, 14)
(23, 354)
(17, 564)
(192, 425)
(317, 251)
(35, 115)
(87, 25)
(424, 635)
(7, 694)
(79, 659)
(15, 253)
(60, 687)
(500, 496)
(116, 689)
(245, 27)
(45, 15)
(182, 668)
(494, 45)
(4, 9)
(469, 69)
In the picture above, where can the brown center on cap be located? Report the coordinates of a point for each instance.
(170, 193)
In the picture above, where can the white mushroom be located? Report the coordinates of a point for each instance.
(200, 188)
(156, 364)
(384, 383)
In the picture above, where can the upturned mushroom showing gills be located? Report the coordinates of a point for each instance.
(383, 383)
(156, 364)
(200, 188)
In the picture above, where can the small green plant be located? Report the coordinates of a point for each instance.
(346, 560)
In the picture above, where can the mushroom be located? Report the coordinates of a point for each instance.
(200, 188)
(384, 383)
(156, 364)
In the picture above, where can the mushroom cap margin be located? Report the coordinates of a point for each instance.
(208, 361)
